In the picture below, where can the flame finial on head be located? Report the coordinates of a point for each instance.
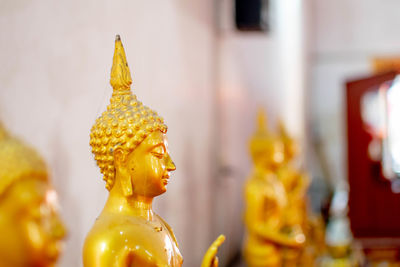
(264, 141)
(282, 130)
(261, 134)
(261, 122)
(121, 79)
(291, 146)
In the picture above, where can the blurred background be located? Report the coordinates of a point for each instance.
(206, 70)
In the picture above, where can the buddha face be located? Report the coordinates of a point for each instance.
(30, 228)
(269, 155)
(149, 166)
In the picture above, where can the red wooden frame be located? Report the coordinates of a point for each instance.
(374, 211)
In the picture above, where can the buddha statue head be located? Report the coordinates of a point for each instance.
(30, 228)
(129, 139)
(265, 148)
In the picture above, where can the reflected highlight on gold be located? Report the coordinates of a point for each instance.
(130, 146)
(30, 228)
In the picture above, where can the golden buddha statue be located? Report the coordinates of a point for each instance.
(30, 228)
(266, 202)
(130, 146)
(296, 185)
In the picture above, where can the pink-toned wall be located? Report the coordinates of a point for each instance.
(55, 62)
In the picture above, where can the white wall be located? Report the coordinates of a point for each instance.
(346, 35)
(54, 76)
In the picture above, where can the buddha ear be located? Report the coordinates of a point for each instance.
(119, 157)
(120, 165)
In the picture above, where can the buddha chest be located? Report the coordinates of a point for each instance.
(133, 239)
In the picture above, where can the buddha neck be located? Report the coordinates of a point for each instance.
(133, 205)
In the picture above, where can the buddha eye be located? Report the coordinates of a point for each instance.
(158, 155)
(36, 214)
(158, 151)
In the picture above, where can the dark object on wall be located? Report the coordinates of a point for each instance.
(374, 210)
(252, 15)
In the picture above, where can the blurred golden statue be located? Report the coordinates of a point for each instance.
(298, 220)
(296, 185)
(266, 202)
(31, 231)
(130, 146)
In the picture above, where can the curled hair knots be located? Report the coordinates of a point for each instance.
(125, 123)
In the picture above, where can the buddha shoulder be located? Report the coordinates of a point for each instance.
(131, 239)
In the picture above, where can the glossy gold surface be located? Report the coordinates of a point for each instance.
(31, 231)
(130, 146)
(266, 203)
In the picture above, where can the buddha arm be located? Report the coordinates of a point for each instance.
(261, 210)
(274, 236)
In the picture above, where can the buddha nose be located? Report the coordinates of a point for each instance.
(170, 164)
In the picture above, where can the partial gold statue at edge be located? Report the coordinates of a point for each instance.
(130, 146)
(31, 231)
(266, 203)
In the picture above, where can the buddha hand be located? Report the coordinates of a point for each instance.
(210, 259)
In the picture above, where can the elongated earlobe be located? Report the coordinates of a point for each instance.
(126, 183)
(123, 173)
